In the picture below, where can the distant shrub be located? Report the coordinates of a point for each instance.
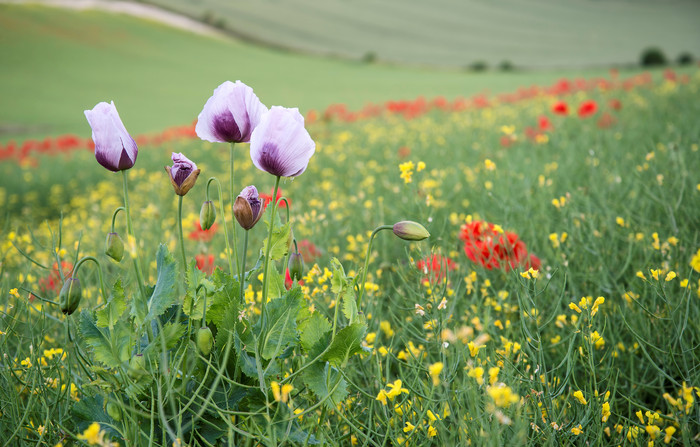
(478, 66)
(685, 58)
(211, 18)
(506, 66)
(653, 56)
(369, 57)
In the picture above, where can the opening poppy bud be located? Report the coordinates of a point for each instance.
(69, 297)
(207, 215)
(295, 266)
(183, 173)
(205, 340)
(137, 367)
(114, 247)
(248, 207)
(410, 231)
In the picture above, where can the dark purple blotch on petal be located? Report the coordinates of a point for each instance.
(225, 127)
(181, 173)
(270, 161)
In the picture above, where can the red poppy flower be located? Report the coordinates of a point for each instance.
(268, 198)
(560, 108)
(288, 283)
(494, 249)
(205, 263)
(615, 104)
(544, 124)
(52, 282)
(435, 267)
(309, 251)
(587, 108)
(202, 235)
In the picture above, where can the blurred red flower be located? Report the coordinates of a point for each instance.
(544, 124)
(560, 108)
(435, 267)
(205, 263)
(52, 282)
(493, 248)
(309, 251)
(268, 198)
(615, 104)
(288, 283)
(202, 235)
(587, 108)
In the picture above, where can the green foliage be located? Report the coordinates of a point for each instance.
(279, 324)
(115, 307)
(110, 346)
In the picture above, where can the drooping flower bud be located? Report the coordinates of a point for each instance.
(69, 297)
(248, 207)
(205, 340)
(207, 215)
(114, 147)
(114, 411)
(137, 367)
(295, 266)
(183, 173)
(114, 247)
(410, 231)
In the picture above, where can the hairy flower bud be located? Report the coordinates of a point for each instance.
(248, 207)
(205, 340)
(137, 367)
(295, 266)
(114, 247)
(114, 411)
(207, 215)
(410, 231)
(183, 173)
(69, 297)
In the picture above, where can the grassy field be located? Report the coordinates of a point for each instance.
(595, 342)
(57, 62)
(457, 33)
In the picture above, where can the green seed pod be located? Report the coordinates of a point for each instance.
(114, 411)
(295, 266)
(410, 231)
(207, 215)
(137, 367)
(205, 340)
(114, 247)
(69, 297)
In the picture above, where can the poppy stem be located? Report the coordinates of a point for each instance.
(114, 216)
(223, 216)
(182, 239)
(242, 278)
(233, 220)
(364, 270)
(269, 244)
(133, 250)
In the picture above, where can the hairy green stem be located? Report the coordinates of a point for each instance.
(269, 246)
(241, 279)
(223, 217)
(364, 271)
(130, 231)
(182, 239)
(233, 220)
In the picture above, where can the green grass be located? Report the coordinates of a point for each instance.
(631, 211)
(457, 33)
(57, 63)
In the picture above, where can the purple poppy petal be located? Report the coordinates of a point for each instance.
(230, 114)
(114, 147)
(280, 144)
(182, 168)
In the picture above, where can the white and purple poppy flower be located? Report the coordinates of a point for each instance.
(114, 147)
(230, 115)
(248, 208)
(280, 144)
(183, 173)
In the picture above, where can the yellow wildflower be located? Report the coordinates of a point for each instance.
(435, 369)
(503, 396)
(579, 396)
(577, 430)
(493, 374)
(606, 411)
(478, 374)
(396, 389)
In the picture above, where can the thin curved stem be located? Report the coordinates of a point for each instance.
(114, 216)
(99, 273)
(223, 216)
(364, 271)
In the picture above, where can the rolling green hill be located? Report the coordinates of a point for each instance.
(457, 33)
(57, 63)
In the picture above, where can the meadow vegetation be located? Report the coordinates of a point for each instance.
(556, 301)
